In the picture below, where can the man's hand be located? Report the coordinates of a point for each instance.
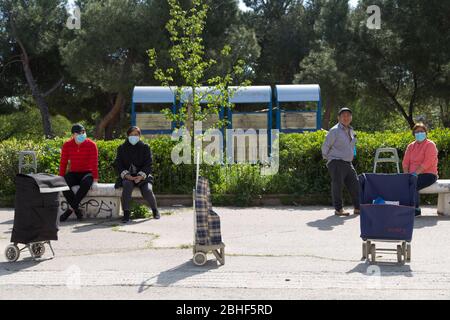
(129, 177)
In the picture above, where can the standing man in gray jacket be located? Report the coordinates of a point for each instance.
(339, 150)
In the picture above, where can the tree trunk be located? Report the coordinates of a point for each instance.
(191, 112)
(445, 113)
(105, 128)
(408, 116)
(120, 122)
(40, 101)
(189, 119)
(112, 128)
(110, 116)
(411, 121)
(109, 131)
(35, 91)
(329, 105)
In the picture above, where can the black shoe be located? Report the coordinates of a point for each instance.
(156, 214)
(79, 215)
(126, 216)
(65, 215)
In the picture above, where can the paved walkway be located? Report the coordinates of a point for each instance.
(271, 253)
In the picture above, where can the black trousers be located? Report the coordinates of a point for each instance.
(146, 191)
(424, 180)
(82, 179)
(343, 173)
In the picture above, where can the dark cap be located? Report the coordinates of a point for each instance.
(343, 110)
(77, 128)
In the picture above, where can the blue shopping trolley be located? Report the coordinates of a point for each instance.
(387, 213)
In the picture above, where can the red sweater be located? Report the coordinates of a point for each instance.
(83, 157)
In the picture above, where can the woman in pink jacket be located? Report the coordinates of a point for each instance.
(421, 160)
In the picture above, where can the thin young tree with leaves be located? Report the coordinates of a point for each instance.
(190, 64)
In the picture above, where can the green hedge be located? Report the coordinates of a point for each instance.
(302, 174)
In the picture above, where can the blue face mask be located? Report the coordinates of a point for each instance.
(133, 139)
(420, 136)
(81, 138)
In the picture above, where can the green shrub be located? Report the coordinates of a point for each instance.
(21, 124)
(302, 173)
(139, 211)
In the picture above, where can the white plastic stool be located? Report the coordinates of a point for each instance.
(392, 159)
(27, 164)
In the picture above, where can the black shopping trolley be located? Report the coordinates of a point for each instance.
(36, 213)
(387, 213)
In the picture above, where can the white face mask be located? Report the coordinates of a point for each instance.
(133, 139)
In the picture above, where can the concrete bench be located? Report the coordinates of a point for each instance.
(442, 188)
(102, 201)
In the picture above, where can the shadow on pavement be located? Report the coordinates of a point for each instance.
(21, 264)
(181, 272)
(330, 222)
(428, 221)
(383, 269)
(92, 224)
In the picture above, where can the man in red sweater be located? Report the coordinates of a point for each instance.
(81, 154)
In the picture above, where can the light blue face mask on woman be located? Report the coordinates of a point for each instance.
(420, 136)
(133, 139)
(81, 138)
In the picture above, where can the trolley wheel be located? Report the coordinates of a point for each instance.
(400, 254)
(364, 250)
(408, 252)
(12, 253)
(373, 253)
(199, 258)
(37, 249)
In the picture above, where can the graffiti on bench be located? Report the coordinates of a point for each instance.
(92, 207)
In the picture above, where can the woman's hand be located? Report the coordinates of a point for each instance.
(129, 177)
(419, 169)
(138, 179)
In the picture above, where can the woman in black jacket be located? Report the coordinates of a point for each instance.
(134, 166)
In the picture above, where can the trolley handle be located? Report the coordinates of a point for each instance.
(197, 173)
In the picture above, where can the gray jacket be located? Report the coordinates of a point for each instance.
(339, 144)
